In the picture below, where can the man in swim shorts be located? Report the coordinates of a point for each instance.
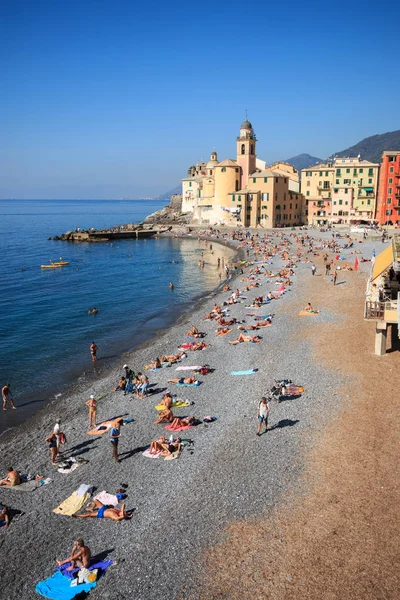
(263, 412)
(7, 397)
(93, 351)
(80, 556)
(101, 511)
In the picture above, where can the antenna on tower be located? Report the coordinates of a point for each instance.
(246, 113)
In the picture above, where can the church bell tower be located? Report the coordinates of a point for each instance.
(246, 151)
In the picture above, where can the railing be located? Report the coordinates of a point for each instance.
(374, 310)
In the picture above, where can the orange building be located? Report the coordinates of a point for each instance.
(388, 209)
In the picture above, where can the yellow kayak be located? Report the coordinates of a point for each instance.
(59, 263)
(49, 266)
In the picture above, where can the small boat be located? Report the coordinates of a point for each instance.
(59, 263)
(49, 266)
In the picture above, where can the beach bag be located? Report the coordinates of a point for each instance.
(62, 438)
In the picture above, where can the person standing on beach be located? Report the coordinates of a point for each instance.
(263, 412)
(334, 278)
(115, 434)
(91, 403)
(93, 351)
(313, 270)
(327, 268)
(7, 397)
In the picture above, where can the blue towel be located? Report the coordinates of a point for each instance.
(58, 587)
(249, 372)
(188, 384)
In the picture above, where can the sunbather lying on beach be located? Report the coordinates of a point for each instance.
(165, 416)
(156, 364)
(100, 511)
(165, 447)
(188, 380)
(183, 422)
(224, 322)
(194, 332)
(173, 358)
(157, 446)
(246, 338)
(248, 327)
(193, 346)
(223, 331)
(12, 478)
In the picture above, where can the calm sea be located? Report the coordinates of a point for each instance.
(45, 329)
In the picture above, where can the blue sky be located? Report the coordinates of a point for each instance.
(116, 99)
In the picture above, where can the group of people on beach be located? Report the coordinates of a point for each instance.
(256, 271)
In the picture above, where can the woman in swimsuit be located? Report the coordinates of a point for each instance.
(179, 422)
(92, 411)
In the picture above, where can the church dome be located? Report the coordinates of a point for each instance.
(246, 125)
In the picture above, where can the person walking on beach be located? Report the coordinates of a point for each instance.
(91, 403)
(334, 278)
(327, 268)
(93, 351)
(313, 270)
(115, 434)
(263, 412)
(7, 397)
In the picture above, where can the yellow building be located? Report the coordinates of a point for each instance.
(242, 191)
(341, 191)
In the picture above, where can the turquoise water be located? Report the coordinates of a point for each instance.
(45, 330)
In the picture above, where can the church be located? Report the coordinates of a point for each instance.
(243, 191)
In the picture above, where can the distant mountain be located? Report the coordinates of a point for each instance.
(371, 148)
(302, 161)
(167, 195)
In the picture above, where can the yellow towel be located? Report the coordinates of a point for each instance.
(306, 313)
(177, 404)
(72, 504)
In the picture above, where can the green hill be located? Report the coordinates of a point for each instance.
(371, 148)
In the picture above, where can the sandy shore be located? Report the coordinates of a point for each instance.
(184, 506)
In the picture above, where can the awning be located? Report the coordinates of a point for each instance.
(383, 261)
(368, 189)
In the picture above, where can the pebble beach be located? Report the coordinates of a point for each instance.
(181, 507)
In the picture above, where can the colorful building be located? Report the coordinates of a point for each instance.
(388, 208)
(243, 191)
(341, 191)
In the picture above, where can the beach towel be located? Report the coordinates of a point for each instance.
(101, 564)
(58, 587)
(154, 370)
(175, 404)
(307, 313)
(101, 428)
(72, 504)
(182, 428)
(148, 455)
(27, 486)
(189, 384)
(249, 372)
(106, 498)
(193, 368)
